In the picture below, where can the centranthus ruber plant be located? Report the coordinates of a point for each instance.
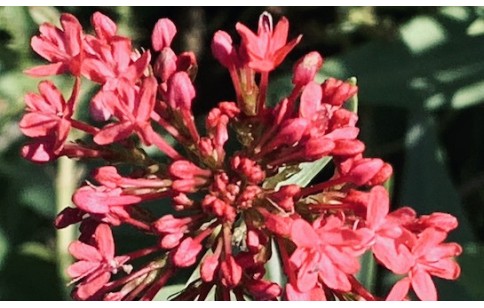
(231, 214)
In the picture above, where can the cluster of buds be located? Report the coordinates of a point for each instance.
(226, 221)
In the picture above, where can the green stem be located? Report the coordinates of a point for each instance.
(64, 188)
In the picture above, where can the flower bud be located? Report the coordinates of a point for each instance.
(208, 267)
(170, 224)
(348, 147)
(104, 27)
(163, 34)
(222, 48)
(180, 91)
(184, 169)
(336, 92)
(165, 64)
(306, 68)
(186, 254)
(170, 241)
(231, 272)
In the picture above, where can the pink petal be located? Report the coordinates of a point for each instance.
(136, 69)
(399, 290)
(72, 29)
(428, 239)
(332, 276)
(346, 262)
(307, 276)
(279, 37)
(121, 49)
(105, 28)
(187, 253)
(87, 289)
(47, 70)
(423, 286)
(82, 268)
(105, 241)
(52, 95)
(315, 294)
(114, 132)
(82, 251)
(378, 207)
(163, 34)
(398, 261)
(310, 100)
(39, 151)
(37, 124)
(446, 269)
(303, 234)
(147, 100)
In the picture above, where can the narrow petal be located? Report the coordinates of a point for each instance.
(105, 241)
(378, 207)
(399, 290)
(81, 268)
(82, 251)
(310, 100)
(303, 234)
(87, 289)
(114, 132)
(423, 286)
(47, 70)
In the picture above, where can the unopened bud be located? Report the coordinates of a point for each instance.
(163, 34)
(306, 68)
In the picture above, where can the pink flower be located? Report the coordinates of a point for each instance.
(325, 251)
(63, 48)
(108, 62)
(96, 263)
(109, 205)
(430, 257)
(49, 115)
(266, 50)
(133, 108)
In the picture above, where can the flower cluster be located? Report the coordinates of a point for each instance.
(231, 212)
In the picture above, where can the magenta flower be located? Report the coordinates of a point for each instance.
(266, 50)
(236, 205)
(96, 263)
(63, 48)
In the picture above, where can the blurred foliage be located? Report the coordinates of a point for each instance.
(421, 78)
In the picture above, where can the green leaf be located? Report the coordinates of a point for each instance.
(3, 247)
(426, 184)
(307, 172)
(432, 64)
(472, 271)
(168, 291)
(43, 14)
(40, 198)
(37, 250)
(367, 274)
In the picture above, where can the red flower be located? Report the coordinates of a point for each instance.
(325, 251)
(109, 205)
(109, 61)
(431, 257)
(133, 109)
(48, 115)
(96, 262)
(63, 48)
(266, 50)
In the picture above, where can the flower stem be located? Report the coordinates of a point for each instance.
(64, 188)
